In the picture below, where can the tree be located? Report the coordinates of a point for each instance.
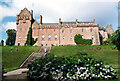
(2, 42)
(30, 40)
(78, 39)
(11, 37)
(117, 43)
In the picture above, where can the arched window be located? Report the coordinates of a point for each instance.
(42, 37)
(63, 37)
(55, 37)
(34, 29)
(49, 37)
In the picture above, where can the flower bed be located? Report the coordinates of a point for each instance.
(52, 68)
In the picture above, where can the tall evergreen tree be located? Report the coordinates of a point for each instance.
(29, 37)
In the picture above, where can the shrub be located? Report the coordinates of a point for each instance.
(79, 40)
(53, 68)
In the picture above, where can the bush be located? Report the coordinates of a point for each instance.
(53, 68)
(79, 40)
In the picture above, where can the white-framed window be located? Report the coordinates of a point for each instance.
(71, 37)
(55, 37)
(34, 29)
(46, 30)
(42, 30)
(70, 31)
(82, 30)
(82, 37)
(26, 38)
(54, 30)
(42, 37)
(19, 37)
(49, 37)
(62, 31)
(20, 29)
(63, 37)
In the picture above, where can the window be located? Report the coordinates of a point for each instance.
(42, 30)
(71, 37)
(92, 36)
(49, 37)
(70, 31)
(20, 29)
(82, 37)
(82, 30)
(55, 37)
(19, 37)
(62, 31)
(25, 29)
(26, 38)
(34, 29)
(46, 30)
(54, 30)
(91, 30)
(42, 37)
(63, 37)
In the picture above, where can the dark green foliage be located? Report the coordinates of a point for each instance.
(11, 37)
(79, 40)
(30, 40)
(2, 42)
(29, 37)
(117, 43)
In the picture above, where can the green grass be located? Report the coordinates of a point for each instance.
(106, 54)
(13, 60)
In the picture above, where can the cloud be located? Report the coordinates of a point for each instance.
(9, 25)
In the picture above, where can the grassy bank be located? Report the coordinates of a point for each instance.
(105, 54)
(12, 60)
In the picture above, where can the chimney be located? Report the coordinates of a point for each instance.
(17, 19)
(59, 20)
(93, 20)
(40, 19)
(76, 21)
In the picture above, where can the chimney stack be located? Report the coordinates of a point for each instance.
(59, 20)
(93, 20)
(40, 19)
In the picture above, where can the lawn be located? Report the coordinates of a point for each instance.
(106, 54)
(13, 60)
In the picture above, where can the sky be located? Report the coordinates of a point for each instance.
(103, 11)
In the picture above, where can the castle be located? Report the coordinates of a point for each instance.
(61, 33)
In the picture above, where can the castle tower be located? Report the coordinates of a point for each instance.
(23, 22)
(109, 29)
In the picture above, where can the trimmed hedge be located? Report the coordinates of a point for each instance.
(79, 40)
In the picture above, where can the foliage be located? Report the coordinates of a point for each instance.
(11, 37)
(2, 42)
(30, 40)
(79, 40)
(107, 42)
(53, 68)
(118, 40)
(29, 37)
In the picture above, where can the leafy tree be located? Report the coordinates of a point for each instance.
(30, 40)
(2, 42)
(11, 37)
(117, 43)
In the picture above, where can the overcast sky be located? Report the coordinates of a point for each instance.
(103, 11)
